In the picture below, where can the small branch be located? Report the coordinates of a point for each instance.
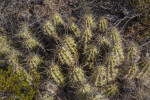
(144, 44)
(128, 21)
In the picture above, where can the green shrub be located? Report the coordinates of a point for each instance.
(14, 85)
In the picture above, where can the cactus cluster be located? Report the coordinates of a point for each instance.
(88, 60)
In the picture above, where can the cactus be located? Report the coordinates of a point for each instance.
(110, 89)
(83, 92)
(56, 74)
(97, 97)
(4, 44)
(86, 92)
(132, 52)
(118, 54)
(144, 67)
(68, 52)
(31, 44)
(102, 25)
(77, 76)
(4, 50)
(103, 42)
(74, 30)
(114, 36)
(99, 77)
(87, 35)
(89, 22)
(28, 40)
(57, 20)
(49, 30)
(132, 71)
(13, 59)
(34, 62)
(86, 38)
(90, 56)
(71, 45)
(3, 39)
(129, 71)
(65, 56)
(110, 64)
(104, 46)
(85, 61)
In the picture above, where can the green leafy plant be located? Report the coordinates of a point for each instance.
(14, 86)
